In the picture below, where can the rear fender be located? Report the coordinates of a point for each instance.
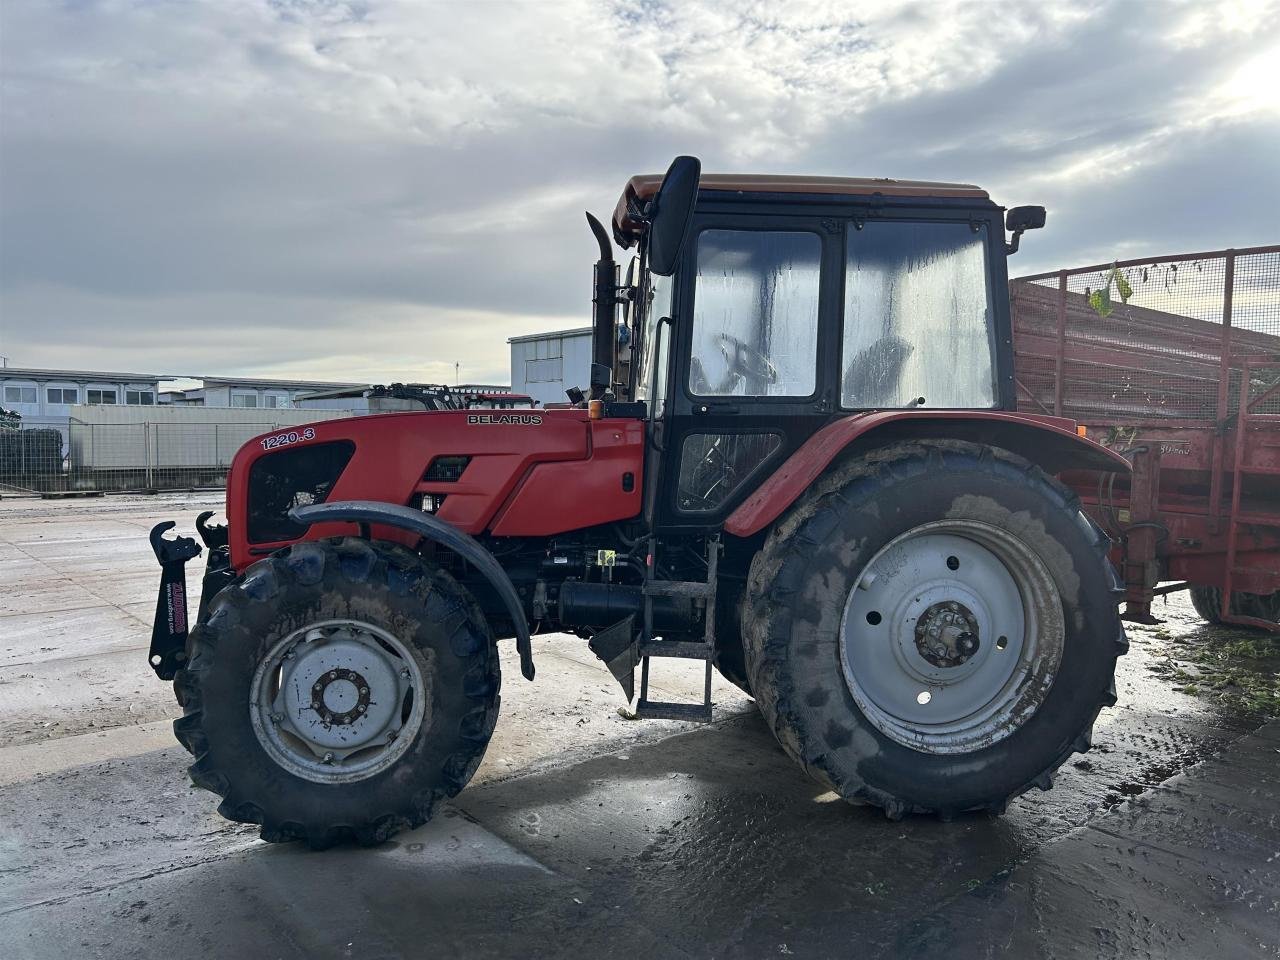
(445, 534)
(1049, 442)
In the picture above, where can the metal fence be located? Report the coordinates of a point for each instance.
(122, 456)
(1160, 337)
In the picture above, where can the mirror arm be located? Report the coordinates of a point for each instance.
(1011, 247)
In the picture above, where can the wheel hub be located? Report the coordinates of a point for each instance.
(340, 696)
(947, 634)
(951, 636)
(337, 701)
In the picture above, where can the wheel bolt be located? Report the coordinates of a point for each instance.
(277, 718)
(405, 673)
(328, 758)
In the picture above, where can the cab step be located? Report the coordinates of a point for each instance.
(626, 645)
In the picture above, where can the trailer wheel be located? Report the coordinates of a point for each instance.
(1208, 604)
(337, 691)
(934, 628)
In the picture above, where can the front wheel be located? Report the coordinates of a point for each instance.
(337, 691)
(933, 628)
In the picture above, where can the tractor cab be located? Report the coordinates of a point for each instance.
(777, 304)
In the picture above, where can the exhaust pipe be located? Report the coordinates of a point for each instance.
(604, 301)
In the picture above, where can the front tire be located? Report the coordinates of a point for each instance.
(986, 647)
(337, 691)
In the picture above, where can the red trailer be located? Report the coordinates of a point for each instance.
(1173, 362)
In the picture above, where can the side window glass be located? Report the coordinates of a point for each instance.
(714, 465)
(917, 317)
(755, 314)
(655, 348)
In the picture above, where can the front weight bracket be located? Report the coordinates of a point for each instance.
(169, 630)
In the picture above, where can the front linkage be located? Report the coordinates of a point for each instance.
(168, 652)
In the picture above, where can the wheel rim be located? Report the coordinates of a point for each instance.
(337, 701)
(951, 637)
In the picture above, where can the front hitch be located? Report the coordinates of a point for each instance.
(169, 630)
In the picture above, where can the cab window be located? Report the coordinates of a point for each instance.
(918, 328)
(755, 314)
(655, 345)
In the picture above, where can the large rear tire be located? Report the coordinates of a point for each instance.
(337, 691)
(934, 628)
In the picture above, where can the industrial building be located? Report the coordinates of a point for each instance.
(544, 365)
(249, 393)
(44, 398)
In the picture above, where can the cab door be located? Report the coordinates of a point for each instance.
(753, 359)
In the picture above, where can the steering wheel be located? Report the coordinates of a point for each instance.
(712, 472)
(746, 361)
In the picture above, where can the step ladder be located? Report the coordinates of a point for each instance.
(1245, 416)
(647, 647)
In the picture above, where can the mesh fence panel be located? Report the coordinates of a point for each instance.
(1255, 308)
(1145, 340)
(31, 460)
(122, 456)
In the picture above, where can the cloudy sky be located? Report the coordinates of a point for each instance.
(370, 190)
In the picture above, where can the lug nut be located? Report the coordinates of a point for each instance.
(328, 758)
(404, 673)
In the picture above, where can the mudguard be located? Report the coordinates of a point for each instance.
(1049, 442)
(447, 535)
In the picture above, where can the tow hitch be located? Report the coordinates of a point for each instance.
(169, 631)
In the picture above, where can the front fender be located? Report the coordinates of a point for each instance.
(447, 535)
(1049, 442)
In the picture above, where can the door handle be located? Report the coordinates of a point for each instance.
(706, 408)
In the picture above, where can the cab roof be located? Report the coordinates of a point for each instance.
(641, 188)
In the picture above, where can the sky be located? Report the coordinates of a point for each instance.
(375, 191)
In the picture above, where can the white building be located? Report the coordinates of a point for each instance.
(255, 393)
(44, 397)
(544, 365)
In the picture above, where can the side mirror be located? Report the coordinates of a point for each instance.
(1019, 219)
(1024, 218)
(671, 213)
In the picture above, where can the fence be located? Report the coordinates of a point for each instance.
(1156, 338)
(123, 456)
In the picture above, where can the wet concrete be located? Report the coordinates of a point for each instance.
(588, 835)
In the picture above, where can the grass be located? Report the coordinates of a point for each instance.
(1239, 669)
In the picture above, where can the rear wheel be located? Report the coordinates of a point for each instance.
(337, 691)
(933, 628)
(1208, 604)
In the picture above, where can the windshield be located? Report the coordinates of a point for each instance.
(918, 327)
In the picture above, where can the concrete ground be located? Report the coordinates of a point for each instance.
(585, 834)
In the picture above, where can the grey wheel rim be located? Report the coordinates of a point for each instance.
(952, 636)
(337, 701)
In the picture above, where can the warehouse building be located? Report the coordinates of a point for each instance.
(544, 365)
(256, 393)
(44, 398)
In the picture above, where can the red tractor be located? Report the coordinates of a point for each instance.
(798, 459)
